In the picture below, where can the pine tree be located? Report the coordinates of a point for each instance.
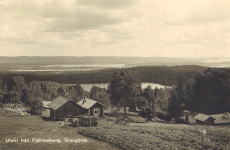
(174, 105)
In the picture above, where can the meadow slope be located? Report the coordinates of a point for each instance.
(28, 127)
(159, 136)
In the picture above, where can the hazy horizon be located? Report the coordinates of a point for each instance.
(87, 63)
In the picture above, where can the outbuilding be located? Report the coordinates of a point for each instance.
(46, 109)
(91, 107)
(62, 107)
(204, 119)
(222, 119)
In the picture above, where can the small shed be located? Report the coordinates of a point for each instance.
(91, 107)
(62, 107)
(222, 119)
(46, 109)
(204, 119)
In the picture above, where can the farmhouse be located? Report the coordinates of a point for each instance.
(61, 108)
(91, 107)
(204, 119)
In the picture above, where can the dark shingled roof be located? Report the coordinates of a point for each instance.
(88, 103)
(58, 102)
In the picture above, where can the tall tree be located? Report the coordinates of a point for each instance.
(161, 97)
(211, 91)
(80, 91)
(174, 106)
(148, 94)
(124, 89)
(76, 92)
(61, 91)
(19, 85)
(36, 105)
(180, 89)
(100, 94)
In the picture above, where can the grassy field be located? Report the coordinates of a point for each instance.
(29, 127)
(109, 135)
(159, 136)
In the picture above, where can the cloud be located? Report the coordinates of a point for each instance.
(196, 12)
(115, 27)
(107, 3)
(82, 21)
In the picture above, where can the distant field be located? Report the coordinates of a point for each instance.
(21, 127)
(158, 136)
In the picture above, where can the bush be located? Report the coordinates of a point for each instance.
(114, 113)
(74, 122)
(123, 119)
(35, 106)
(163, 115)
(187, 119)
(87, 121)
(147, 112)
(179, 120)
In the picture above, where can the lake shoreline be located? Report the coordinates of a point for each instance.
(88, 86)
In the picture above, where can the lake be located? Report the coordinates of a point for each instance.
(105, 85)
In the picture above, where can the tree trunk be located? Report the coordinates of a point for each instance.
(125, 109)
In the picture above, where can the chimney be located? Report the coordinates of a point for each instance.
(84, 101)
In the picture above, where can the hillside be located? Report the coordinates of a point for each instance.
(34, 127)
(159, 136)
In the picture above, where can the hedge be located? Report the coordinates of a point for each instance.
(88, 121)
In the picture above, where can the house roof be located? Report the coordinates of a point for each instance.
(45, 103)
(88, 103)
(202, 117)
(221, 118)
(58, 102)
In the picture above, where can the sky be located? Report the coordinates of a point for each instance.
(147, 28)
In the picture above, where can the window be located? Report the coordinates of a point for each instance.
(96, 111)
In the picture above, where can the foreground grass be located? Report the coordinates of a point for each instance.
(17, 127)
(158, 136)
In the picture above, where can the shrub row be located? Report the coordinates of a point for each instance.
(87, 121)
(163, 115)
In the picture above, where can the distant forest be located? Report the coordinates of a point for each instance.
(165, 75)
(195, 88)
